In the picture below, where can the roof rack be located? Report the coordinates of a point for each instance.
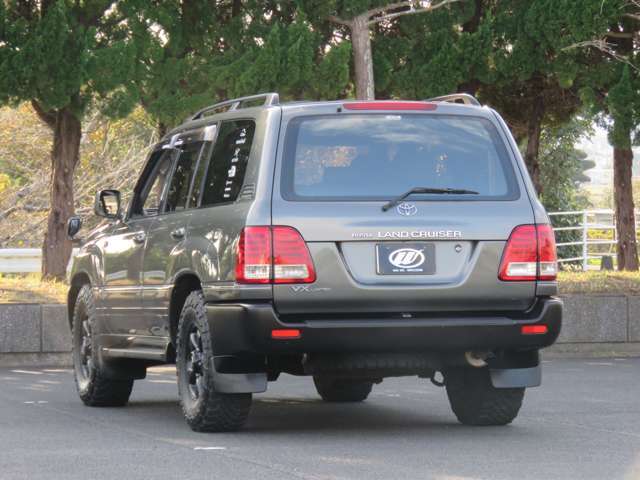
(236, 103)
(464, 98)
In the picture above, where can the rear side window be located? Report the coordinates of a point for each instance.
(148, 196)
(182, 176)
(377, 157)
(228, 162)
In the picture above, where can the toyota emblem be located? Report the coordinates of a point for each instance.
(407, 209)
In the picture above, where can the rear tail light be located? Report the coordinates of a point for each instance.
(291, 259)
(253, 262)
(547, 253)
(273, 255)
(530, 254)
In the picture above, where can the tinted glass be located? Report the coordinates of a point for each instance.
(150, 198)
(382, 156)
(181, 179)
(228, 162)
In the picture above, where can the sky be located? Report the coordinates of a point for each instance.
(598, 149)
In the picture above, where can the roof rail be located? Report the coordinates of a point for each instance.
(236, 103)
(464, 98)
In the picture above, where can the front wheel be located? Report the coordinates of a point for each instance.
(475, 401)
(342, 389)
(94, 388)
(205, 410)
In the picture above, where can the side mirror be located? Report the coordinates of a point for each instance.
(107, 204)
(73, 226)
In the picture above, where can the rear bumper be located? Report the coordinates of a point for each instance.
(246, 329)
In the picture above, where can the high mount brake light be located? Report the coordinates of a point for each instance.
(273, 255)
(530, 254)
(389, 105)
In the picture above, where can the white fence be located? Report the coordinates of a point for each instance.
(27, 260)
(583, 222)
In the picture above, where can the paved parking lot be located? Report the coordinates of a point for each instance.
(584, 423)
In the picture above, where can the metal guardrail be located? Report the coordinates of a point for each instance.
(585, 222)
(24, 260)
(20, 260)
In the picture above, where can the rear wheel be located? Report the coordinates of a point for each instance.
(205, 410)
(342, 389)
(94, 388)
(475, 401)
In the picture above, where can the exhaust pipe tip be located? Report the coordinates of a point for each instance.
(476, 359)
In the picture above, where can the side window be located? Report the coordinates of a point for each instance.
(148, 200)
(228, 162)
(181, 179)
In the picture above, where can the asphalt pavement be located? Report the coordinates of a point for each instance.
(583, 423)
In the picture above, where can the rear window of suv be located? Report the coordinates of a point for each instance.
(380, 156)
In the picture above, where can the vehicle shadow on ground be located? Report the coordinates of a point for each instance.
(304, 415)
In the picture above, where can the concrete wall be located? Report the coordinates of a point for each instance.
(32, 334)
(593, 325)
(599, 324)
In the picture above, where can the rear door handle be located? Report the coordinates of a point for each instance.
(178, 233)
(139, 237)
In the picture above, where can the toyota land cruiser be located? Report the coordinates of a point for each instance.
(349, 241)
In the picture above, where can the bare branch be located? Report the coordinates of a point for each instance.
(48, 117)
(605, 47)
(412, 10)
(392, 6)
(338, 20)
(619, 34)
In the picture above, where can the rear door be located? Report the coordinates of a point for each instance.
(167, 234)
(430, 253)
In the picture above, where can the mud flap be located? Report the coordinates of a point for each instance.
(516, 377)
(238, 382)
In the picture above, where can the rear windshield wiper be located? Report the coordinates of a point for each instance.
(436, 191)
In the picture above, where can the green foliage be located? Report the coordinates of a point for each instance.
(427, 55)
(535, 57)
(60, 54)
(562, 165)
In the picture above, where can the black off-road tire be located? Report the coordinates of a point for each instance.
(94, 388)
(205, 410)
(475, 401)
(342, 389)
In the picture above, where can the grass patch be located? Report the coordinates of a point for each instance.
(31, 289)
(599, 282)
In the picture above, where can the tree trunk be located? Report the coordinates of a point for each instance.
(65, 154)
(534, 129)
(362, 58)
(627, 250)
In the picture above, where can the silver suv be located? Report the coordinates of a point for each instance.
(349, 241)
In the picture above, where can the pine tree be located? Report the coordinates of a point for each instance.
(61, 56)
